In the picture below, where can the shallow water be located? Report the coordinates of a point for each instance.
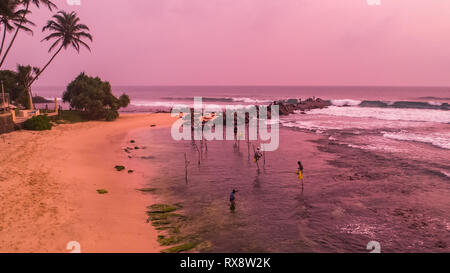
(351, 196)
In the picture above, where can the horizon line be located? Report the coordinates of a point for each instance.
(256, 85)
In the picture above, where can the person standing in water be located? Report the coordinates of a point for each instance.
(300, 173)
(233, 200)
(258, 156)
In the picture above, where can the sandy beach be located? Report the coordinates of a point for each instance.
(49, 182)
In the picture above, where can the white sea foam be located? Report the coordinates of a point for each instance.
(52, 99)
(309, 125)
(440, 140)
(424, 115)
(250, 100)
(448, 175)
(346, 102)
(160, 104)
(434, 103)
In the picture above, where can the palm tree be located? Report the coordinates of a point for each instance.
(11, 19)
(6, 7)
(68, 32)
(24, 76)
(22, 21)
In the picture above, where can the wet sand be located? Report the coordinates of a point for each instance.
(49, 182)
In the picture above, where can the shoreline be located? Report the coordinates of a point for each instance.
(48, 192)
(49, 182)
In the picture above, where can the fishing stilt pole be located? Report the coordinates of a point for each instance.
(264, 156)
(186, 164)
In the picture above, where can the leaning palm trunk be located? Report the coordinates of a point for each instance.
(67, 32)
(3, 41)
(38, 74)
(45, 67)
(15, 35)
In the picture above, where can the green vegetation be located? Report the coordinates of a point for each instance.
(161, 208)
(119, 168)
(180, 248)
(111, 115)
(10, 83)
(175, 230)
(38, 123)
(94, 97)
(167, 241)
(66, 30)
(147, 190)
(165, 220)
(16, 83)
(165, 216)
(14, 18)
(102, 191)
(159, 223)
(72, 116)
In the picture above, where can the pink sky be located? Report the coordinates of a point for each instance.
(252, 42)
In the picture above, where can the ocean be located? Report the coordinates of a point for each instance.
(410, 114)
(377, 168)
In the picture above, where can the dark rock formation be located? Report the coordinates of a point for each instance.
(39, 99)
(287, 108)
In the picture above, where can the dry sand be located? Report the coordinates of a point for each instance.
(49, 182)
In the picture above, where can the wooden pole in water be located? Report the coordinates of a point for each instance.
(264, 155)
(186, 164)
(199, 153)
(248, 141)
(201, 144)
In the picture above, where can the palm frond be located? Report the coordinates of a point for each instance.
(68, 31)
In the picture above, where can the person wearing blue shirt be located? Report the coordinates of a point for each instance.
(232, 200)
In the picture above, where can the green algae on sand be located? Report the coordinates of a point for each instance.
(119, 168)
(180, 248)
(145, 190)
(164, 219)
(161, 208)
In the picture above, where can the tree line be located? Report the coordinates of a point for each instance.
(64, 30)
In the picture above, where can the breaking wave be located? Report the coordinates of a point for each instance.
(224, 99)
(392, 104)
(436, 139)
(392, 114)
